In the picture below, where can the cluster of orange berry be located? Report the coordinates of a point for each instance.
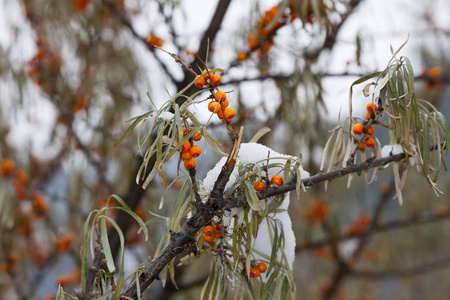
(262, 37)
(220, 103)
(44, 66)
(360, 128)
(209, 234)
(20, 183)
(189, 151)
(277, 180)
(260, 268)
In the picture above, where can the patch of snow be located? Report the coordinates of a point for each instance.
(165, 115)
(257, 154)
(389, 150)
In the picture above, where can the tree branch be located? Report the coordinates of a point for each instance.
(183, 241)
(410, 271)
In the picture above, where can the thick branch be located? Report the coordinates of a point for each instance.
(183, 241)
(320, 177)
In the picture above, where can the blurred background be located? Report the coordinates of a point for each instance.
(72, 73)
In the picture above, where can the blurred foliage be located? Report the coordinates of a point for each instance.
(73, 72)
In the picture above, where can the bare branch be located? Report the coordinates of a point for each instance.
(435, 265)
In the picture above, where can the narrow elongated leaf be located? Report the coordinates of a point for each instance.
(259, 134)
(137, 120)
(106, 247)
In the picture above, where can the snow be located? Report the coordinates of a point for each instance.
(249, 153)
(389, 150)
(257, 154)
(165, 115)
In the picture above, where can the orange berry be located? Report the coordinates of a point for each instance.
(206, 74)
(197, 136)
(277, 179)
(21, 176)
(229, 113)
(371, 130)
(371, 107)
(217, 233)
(208, 230)
(242, 56)
(262, 267)
(185, 131)
(186, 146)
(370, 141)
(216, 79)
(200, 81)
(252, 41)
(362, 146)
(64, 242)
(186, 155)
(6, 167)
(224, 103)
(208, 238)
(259, 186)
(190, 163)
(154, 41)
(220, 95)
(368, 115)
(195, 151)
(435, 72)
(254, 272)
(80, 5)
(358, 128)
(39, 203)
(212, 106)
(220, 113)
(228, 121)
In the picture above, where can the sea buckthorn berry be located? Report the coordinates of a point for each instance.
(252, 41)
(6, 167)
(368, 115)
(262, 267)
(195, 151)
(200, 82)
(225, 120)
(217, 234)
(189, 163)
(358, 128)
(225, 103)
(220, 95)
(216, 79)
(242, 56)
(370, 141)
(186, 146)
(277, 179)
(185, 131)
(362, 146)
(220, 113)
(254, 272)
(208, 230)
(186, 155)
(212, 106)
(208, 238)
(197, 136)
(259, 186)
(206, 74)
(371, 130)
(229, 113)
(435, 72)
(371, 107)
